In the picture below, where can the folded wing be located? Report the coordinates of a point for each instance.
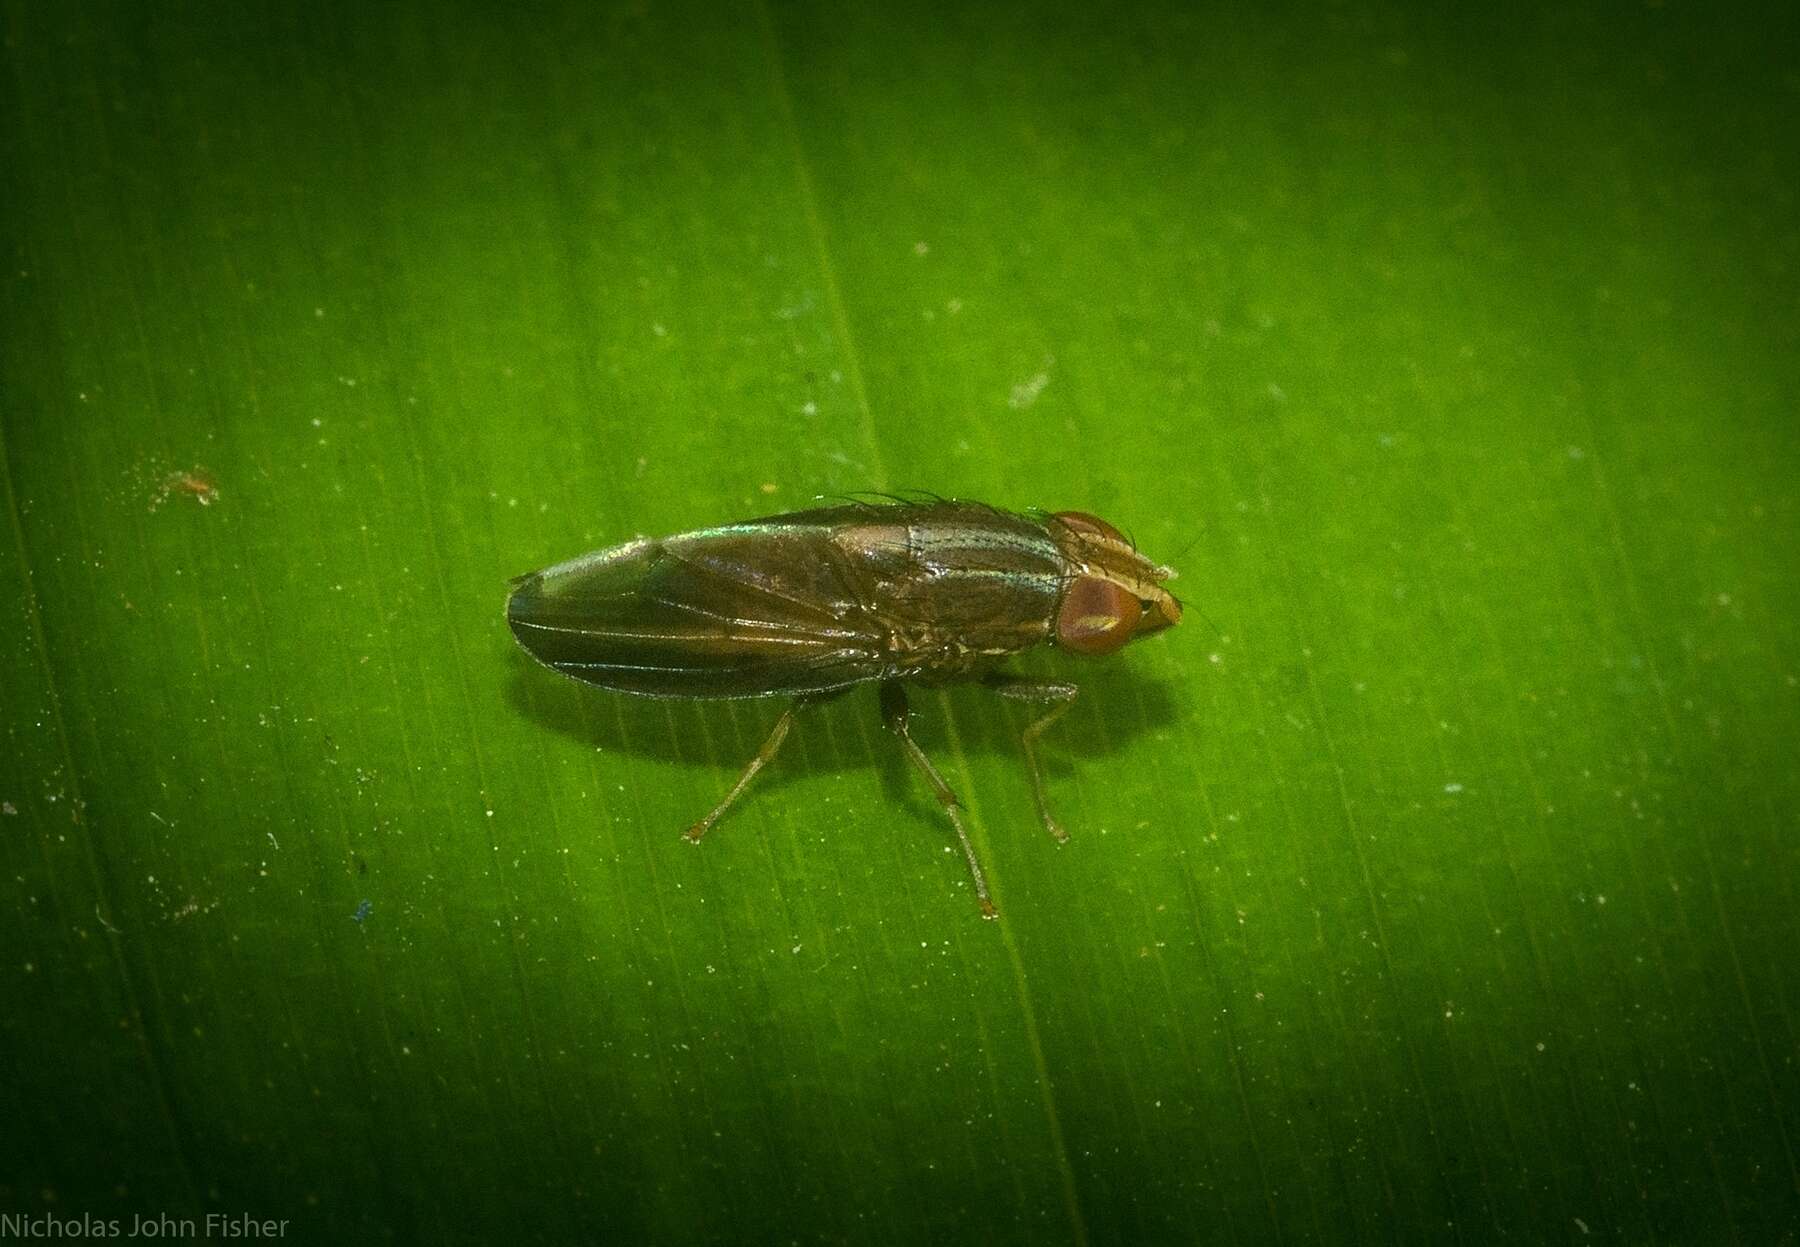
(748, 611)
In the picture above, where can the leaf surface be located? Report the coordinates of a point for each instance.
(1435, 879)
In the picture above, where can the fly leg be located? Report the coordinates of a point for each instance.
(777, 734)
(1023, 688)
(894, 715)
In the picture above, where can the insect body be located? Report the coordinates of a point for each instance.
(808, 605)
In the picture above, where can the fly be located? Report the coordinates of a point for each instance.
(810, 604)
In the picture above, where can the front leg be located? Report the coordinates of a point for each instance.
(1024, 688)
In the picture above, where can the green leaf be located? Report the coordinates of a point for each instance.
(1435, 880)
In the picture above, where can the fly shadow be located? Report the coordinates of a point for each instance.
(1115, 707)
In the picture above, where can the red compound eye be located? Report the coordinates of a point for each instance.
(1082, 522)
(1097, 616)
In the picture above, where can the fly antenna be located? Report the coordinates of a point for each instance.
(1201, 611)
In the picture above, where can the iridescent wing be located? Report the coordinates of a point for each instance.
(750, 610)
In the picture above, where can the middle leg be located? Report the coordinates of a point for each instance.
(894, 714)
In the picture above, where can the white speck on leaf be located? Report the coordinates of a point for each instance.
(1026, 392)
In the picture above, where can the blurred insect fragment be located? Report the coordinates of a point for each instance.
(809, 604)
(195, 483)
